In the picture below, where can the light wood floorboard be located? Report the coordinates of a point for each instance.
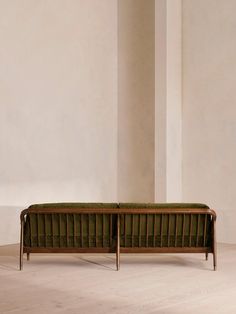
(146, 283)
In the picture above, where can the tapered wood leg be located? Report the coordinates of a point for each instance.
(21, 245)
(214, 261)
(206, 256)
(214, 245)
(28, 256)
(118, 244)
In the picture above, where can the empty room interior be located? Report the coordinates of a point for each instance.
(117, 156)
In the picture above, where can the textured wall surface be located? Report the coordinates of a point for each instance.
(79, 120)
(168, 100)
(58, 101)
(209, 108)
(136, 99)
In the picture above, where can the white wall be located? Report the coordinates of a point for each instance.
(58, 101)
(60, 127)
(58, 105)
(136, 99)
(62, 131)
(168, 100)
(10, 224)
(209, 108)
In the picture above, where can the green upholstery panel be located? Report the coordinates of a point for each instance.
(162, 205)
(165, 230)
(73, 205)
(76, 230)
(69, 230)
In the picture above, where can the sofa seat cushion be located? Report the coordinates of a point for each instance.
(72, 205)
(162, 205)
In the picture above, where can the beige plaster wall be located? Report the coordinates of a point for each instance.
(136, 99)
(58, 101)
(60, 111)
(168, 100)
(209, 108)
(160, 100)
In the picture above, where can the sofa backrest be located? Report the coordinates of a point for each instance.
(83, 225)
(166, 225)
(70, 225)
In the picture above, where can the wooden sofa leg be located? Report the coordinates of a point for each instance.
(21, 245)
(28, 256)
(117, 261)
(118, 244)
(214, 260)
(206, 256)
(214, 244)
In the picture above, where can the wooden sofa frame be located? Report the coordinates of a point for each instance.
(175, 241)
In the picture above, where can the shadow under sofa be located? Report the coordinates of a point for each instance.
(118, 228)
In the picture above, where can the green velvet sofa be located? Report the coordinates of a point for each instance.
(118, 228)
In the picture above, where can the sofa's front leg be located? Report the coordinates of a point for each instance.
(28, 256)
(206, 256)
(118, 243)
(21, 242)
(214, 244)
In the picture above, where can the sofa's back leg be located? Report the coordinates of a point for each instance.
(118, 243)
(206, 256)
(28, 256)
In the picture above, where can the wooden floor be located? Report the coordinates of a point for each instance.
(84, 284)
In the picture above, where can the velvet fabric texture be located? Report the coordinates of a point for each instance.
(77, 230)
